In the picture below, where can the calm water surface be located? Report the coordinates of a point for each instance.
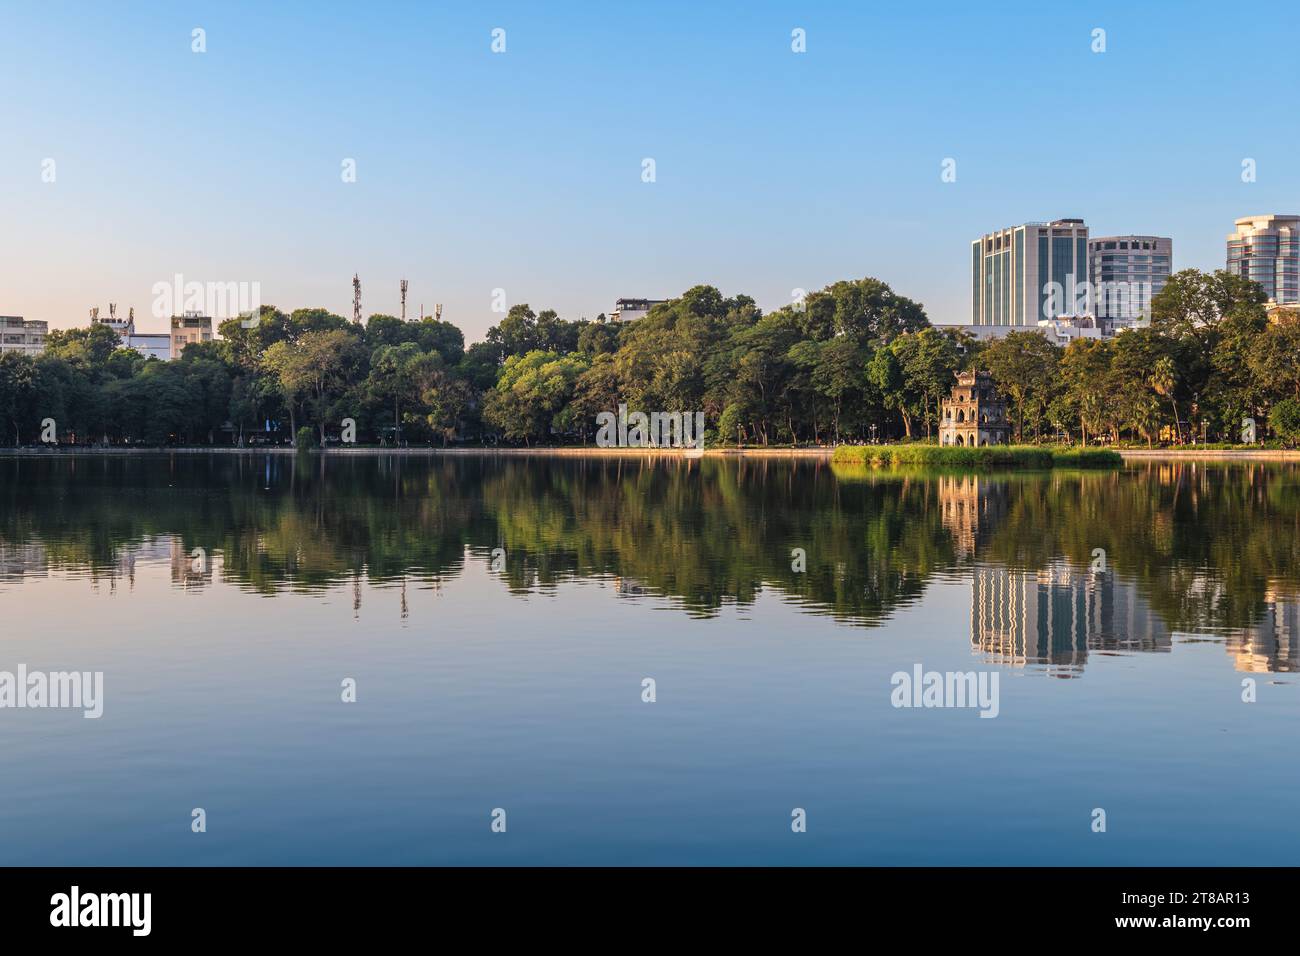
(225, 599)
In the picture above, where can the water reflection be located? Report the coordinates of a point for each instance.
(1192, 550)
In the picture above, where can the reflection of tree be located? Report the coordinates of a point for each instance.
(1208, 547)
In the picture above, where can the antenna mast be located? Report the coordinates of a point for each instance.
(403, 300)
(356, 298)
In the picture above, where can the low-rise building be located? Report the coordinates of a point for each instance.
(625, 310)
(149, 344)
(1065, 330)
(189, 329)
(22, 335)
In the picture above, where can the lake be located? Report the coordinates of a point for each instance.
(495, 624)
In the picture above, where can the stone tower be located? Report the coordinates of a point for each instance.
(974, 414)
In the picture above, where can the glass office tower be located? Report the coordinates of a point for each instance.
(1025, 273)
(1267, 250)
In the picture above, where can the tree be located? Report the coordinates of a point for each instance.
(1024, 365)
(532, 392)
(314, 371)
(1285, 420)
(18, 392)
(1085, 371)
(401, 375)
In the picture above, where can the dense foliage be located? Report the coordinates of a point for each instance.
(852, 363)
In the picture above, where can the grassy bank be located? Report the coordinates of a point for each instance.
(997, 456)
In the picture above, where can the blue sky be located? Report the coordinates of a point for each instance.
(522, 170)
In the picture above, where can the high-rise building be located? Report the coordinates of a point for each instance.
(1127, 272)
(22, 335)
(1022, 274)
(1267, 250)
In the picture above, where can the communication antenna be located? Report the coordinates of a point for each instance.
(437, 311)
(356, 298)
(112, 311)
(403, 300)
(94, 315)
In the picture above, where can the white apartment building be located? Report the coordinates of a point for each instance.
(149, 344)
(22, 335)
(625, 310)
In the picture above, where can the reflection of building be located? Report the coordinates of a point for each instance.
(22, 561)
(1055, 616)
(1272, 645)
(974, 414)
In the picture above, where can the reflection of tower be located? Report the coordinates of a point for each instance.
(1056, 615)
(1272, 645)
(191, 568)
(971, 507)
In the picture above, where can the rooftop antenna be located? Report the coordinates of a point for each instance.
(356, 298)
(94, 315)
(403, 300)
(112, 311)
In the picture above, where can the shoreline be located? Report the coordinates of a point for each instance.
(813, 454)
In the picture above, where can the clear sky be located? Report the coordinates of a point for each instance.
(522, 170)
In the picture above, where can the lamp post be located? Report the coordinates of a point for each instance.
(873, 434)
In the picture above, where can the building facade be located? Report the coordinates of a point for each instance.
(149, 344)
(189, 329)
(22, 335)
(974, 414)
(1267, 250)
(1025, 273)
(1127, 272)
(626, 310)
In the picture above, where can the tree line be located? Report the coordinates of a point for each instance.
(854, 362)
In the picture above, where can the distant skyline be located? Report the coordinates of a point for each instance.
(522, 170)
